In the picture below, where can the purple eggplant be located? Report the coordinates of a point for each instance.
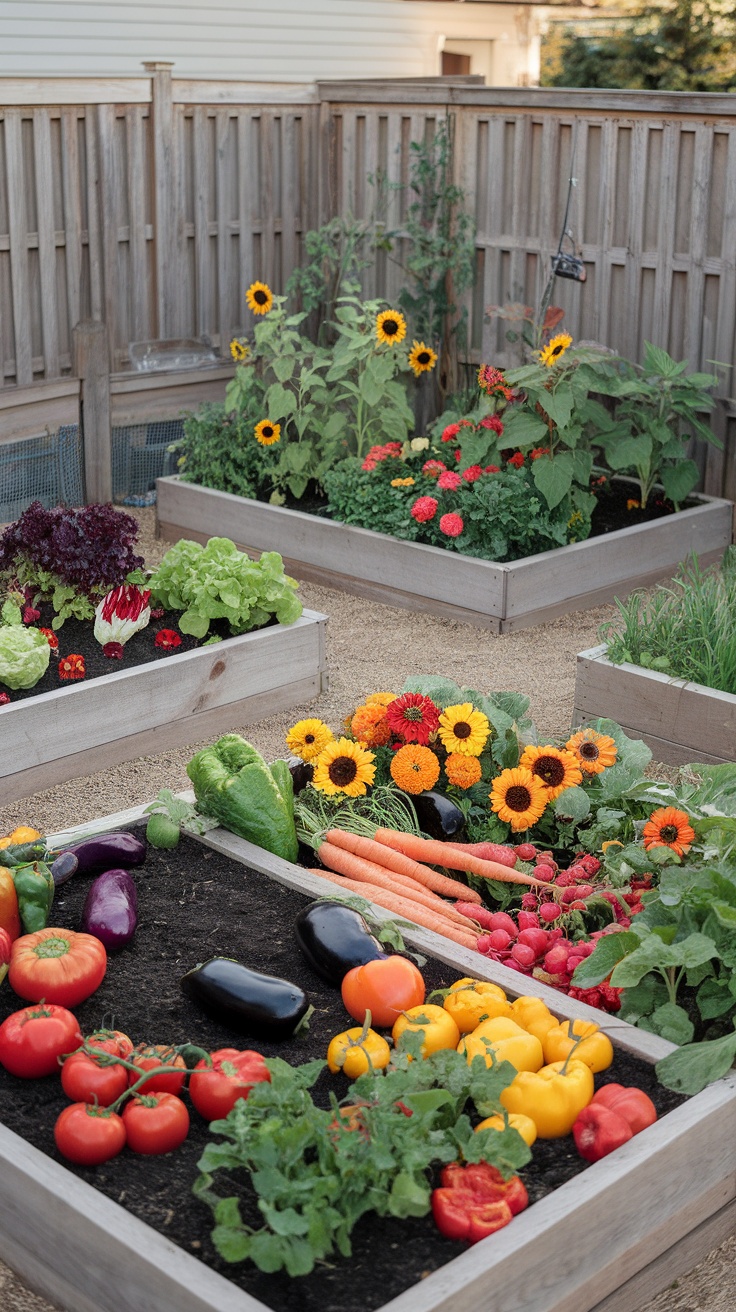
(111, 909)
(105, 851)
(63, 867)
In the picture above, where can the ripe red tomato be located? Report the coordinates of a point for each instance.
(385, 987)
(89, 1135)
(57, 965)
(155, 1123)
(147, 1057)
(215, 1089)
(33, 1039)
(112, 1041)
(83, 1079)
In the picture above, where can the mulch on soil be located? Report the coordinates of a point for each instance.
(194, 904)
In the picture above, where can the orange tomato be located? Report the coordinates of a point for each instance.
(57, 965)
(385, 987)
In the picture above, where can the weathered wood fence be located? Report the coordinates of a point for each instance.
(150, 204)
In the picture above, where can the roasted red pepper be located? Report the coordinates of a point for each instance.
(475, 1200)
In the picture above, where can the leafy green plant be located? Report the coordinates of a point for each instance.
(218, 450)
(218, 582)
(687, 630)
(336, 255)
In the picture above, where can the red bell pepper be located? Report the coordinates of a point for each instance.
(474, 1201)
(631, 1103)
(598, 1131)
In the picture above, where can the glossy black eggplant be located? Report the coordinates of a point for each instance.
(301, 773)
(245, 1000)
(107, 852)
(438, 816)
(334, 938)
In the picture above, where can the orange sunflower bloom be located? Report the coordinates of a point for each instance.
(595, 751)
(555, 768)
(462, 771)
(415, 768)
(669, 827)
(518, 798)
(370, 726)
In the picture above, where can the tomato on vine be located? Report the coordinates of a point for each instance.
(85, 1079)
(89, 1135)
(155, 1123)
(147, 1057)
(33, 1039)
(215, 1089)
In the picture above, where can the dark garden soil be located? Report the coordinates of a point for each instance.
(77, 637)
(194, 904)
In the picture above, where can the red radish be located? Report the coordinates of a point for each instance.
(528, 920)
(556, 960)
(525, 851)
(565, 879)
(591, 865)
(529, 901)
(583, 890)
(577, 906)
(525, 955)
(536, 939)
(500, 920)
(545, 872)
(481, 915)
(546, 859)
(499, 940)
(487, 852)
(549, 912)
(484, 944)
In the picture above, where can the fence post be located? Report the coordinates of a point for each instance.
(91, 364)
(164, 225)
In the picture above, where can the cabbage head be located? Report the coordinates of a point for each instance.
(24, 656)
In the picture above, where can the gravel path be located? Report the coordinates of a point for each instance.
(373, 647)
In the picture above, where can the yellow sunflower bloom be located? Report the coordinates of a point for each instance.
(421, 358)
(267, 432)
(595, 751)
(555, 768)
(415, 768)
(462, 771)
(390, 327)
(518, 798)
(239, 349)
(554, 350)
(463, 729)
(259, 298)
(307, 738)
(344, 767)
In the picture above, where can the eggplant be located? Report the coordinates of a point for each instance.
(334, 938)
(63, 867)
(111, 909)
(245, 1000)
(438, 816)
(107, 852)
(301, 773)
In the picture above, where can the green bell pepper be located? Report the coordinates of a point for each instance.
(34, 887)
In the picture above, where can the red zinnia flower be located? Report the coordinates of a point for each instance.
(167, 639)
(516, 460)
(472, 473)
(458, 455)
(452, 525)
(72, 667)
(493, 422)
(414, 717)
(450, 432)
(51, 638)
(424, 508)
(449, 481)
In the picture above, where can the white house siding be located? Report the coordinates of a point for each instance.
(264, 40)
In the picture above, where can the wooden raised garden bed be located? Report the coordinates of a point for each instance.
(496, 596)
(86, 727)
(680, 721)
(606, 1240)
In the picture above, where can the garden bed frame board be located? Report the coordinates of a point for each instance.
(680, 721)
(85, 727)
(500, 597)
(648, 1212)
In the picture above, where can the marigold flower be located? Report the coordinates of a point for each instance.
(632, 503)
(344, 767)
(413, 717)
(308, 738)
(167, 639)
(402, 482)
(72, 667)
(259, 297)
(464, 730)
(595, 751)
(433, 467)
(518, 798)
(517, 460)
(449, 481)
(669, 827)
(370, 726)
(462, 771)
(51, 638)
(424, 509)
(494, 422)
(415, 768)
(451, 525)
(555, 768)
(472, 473)
(380, 698)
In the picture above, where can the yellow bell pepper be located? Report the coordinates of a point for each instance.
(503, 1040)
(534, 1016)
(471, 1001)
(23, 834)
(357, 1051)
(591, 1045)
(553, 1097)
(434, 1023)
(524, 1125)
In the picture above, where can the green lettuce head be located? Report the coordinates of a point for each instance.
(24, 656)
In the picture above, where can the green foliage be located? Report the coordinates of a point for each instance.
(219, 450)
(218, 582)
(24, 656)
(336, 255)
(315, 1177)
(687, 631)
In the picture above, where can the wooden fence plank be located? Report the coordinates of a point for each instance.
(166, 231)
(247, 191)
(138, 281)
(70, 165)
(18, 234)
(94, 233)
(46, 240)
(202, 277)
(109, 202)
(223, 185)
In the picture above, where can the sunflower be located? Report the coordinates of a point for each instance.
(555, 349)
(413, 717)
(669, 827)
(463, 729)
(308, 738)
(267, 433)
(259, 298)
(595, 751)
(462, 771)
(370, 726)
(239, 349)
(415, 768)
(344, 767)
(556, 768)
(421, 358)
(390, 327)
(518, 798)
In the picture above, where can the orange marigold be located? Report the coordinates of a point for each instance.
(370, 726)
(463, 771)
(415, 768)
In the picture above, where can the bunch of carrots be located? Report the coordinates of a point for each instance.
(394, 870)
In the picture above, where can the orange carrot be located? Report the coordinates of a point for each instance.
(402, 864)
(407, 910)
(441, 854)
(367, 872)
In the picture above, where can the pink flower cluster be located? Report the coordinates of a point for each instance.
(493, 422)
(493, 382)
(379, 453)
(452, 430)
(433, 467)
(449, 481)
(424, 509)
(451, 524)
